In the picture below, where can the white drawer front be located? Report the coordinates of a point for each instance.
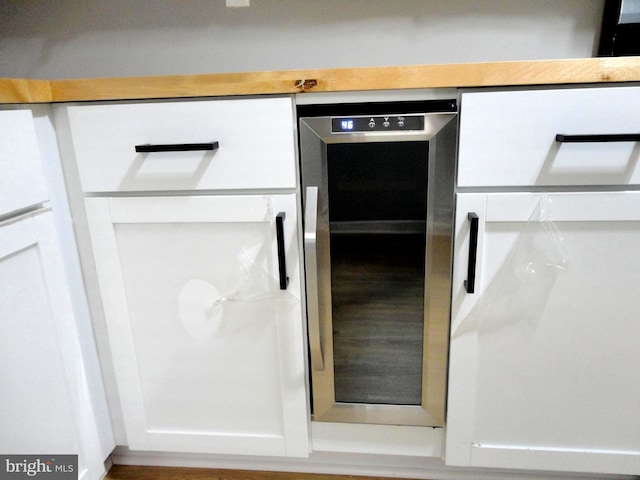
(255, 138)
(22, 182)
(509, 138)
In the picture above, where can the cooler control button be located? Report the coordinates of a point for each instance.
(372, 123)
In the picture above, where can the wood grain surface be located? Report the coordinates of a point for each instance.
(378, 316)
(24, 91)
(539, 72)
(126, 472)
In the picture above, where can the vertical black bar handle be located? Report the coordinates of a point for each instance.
(282, 261)
(470, 282)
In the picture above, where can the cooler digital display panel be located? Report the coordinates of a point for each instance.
(377, 123)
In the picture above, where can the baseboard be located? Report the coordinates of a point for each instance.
(395, 466)
(354, 449)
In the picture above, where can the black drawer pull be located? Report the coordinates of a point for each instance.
(282, 262)
(470, 282)
(176, 147)
(614, 137)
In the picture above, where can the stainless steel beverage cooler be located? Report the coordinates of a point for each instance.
(378, 199)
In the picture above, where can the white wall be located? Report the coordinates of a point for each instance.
(93, 38)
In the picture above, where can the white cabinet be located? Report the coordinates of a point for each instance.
(509, 138)
(545, 352)
(22, 182)
(208, 349)
(45, 393)
(47, 404)
(37, 408)
(545, 337)
(205, 348)
(253, 141)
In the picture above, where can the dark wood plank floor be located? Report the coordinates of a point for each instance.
(126, 472)
(378, 317)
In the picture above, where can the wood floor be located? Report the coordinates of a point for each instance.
(126, 472)
(378, 315)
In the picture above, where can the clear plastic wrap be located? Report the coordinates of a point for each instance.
(519, 291)
(204, 308)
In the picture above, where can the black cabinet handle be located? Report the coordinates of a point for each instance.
(614, 137)
(176, 147)
(282, 261)
(470, 282)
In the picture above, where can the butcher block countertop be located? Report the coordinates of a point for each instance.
(540, 72)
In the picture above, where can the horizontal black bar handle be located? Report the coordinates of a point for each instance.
(613, 137)
(177, 147)
(470, 282)
(282, 261)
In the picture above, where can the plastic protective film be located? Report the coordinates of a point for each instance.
(252, 286)
(521, 287)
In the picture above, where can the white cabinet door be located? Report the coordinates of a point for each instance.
(545, 353)
(208, 349)
(22, 182)
(44, 397)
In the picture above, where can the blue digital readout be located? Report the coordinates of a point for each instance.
(346, 124)
(377, 123)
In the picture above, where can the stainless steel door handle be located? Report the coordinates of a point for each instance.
(311, 266)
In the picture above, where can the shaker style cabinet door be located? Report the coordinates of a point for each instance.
(44, 396)
(37, 416)
(545, 336)
(206, 336)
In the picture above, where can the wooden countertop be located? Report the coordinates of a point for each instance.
(542, 72)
